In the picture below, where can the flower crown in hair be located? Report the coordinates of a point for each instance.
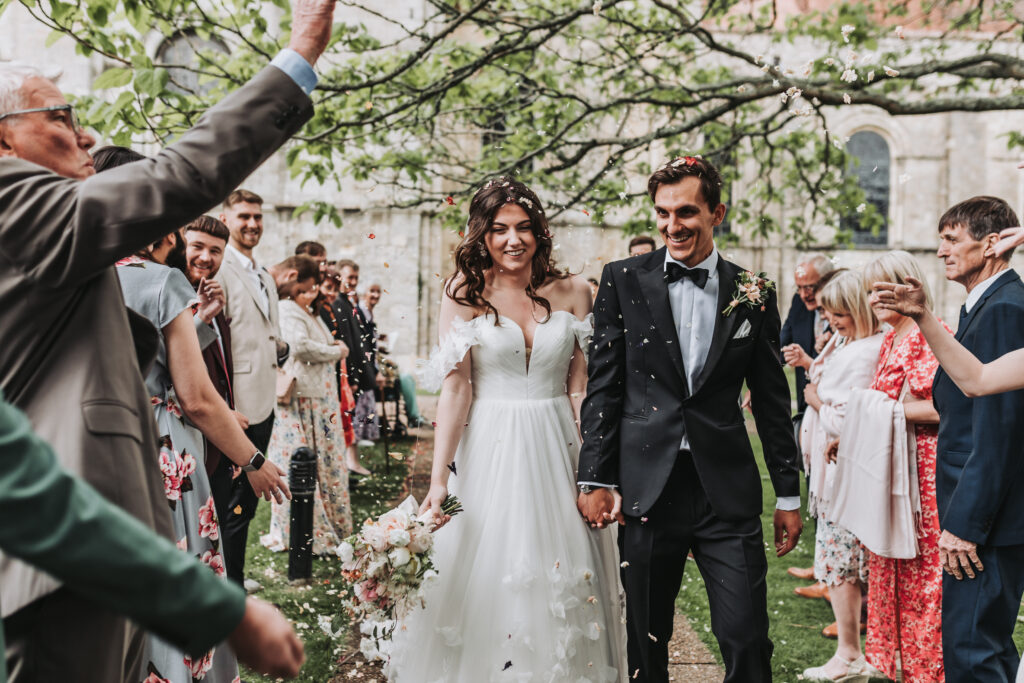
(511, 197)
(684, 161)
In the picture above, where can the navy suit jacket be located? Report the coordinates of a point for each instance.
(980, 467)
(799, 329)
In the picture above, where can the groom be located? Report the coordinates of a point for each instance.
(665, 449)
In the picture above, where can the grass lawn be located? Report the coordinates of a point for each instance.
(305, 605)
(796, 622)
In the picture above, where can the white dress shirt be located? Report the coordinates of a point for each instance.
(695, 312)
(253, 271)
(979, 289)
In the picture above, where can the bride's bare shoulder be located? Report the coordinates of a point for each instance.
(569, 294)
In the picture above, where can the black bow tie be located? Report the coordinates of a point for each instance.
(675, 272)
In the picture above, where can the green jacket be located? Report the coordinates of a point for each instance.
(63, 526)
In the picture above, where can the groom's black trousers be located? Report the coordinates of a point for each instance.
(730, 556)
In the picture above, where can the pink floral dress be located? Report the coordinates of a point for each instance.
(905, 596)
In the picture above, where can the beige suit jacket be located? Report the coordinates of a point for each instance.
(254, 335)
(66, 354)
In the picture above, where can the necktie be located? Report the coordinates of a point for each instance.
(963, 312)
(675, 272)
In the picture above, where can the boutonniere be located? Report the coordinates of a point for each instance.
(751, 290)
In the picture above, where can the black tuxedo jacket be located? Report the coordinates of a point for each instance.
(347, 327)
(799, 329)
(979, 468)
(638, 405)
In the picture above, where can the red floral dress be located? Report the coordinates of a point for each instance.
(905, 596)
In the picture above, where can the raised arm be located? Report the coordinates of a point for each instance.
(973, 377)
(452, 407)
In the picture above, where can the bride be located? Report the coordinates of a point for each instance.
(525, 591)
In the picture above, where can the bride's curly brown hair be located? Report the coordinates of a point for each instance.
(472, 259)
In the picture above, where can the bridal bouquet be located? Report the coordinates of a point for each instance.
(387, 562)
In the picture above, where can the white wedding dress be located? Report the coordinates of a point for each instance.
(526, 591)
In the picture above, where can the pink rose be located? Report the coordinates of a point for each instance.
(170, 466)
(208, 521)
(187, 465)
(214, 561)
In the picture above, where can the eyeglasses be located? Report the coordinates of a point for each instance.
(810, 289)
(70, 119)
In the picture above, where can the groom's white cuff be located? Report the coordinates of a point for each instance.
(787, 503)
(597, 484)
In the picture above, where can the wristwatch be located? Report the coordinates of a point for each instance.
(585, 488)
(255, 463)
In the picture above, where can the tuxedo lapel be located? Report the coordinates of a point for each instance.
(651, 276)
(724, 326)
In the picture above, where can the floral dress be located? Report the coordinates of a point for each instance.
(160, 294)
(314, 422)
(905, 596)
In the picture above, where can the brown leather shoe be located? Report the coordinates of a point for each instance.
(815, 592)
(832, 630)
(801, 573)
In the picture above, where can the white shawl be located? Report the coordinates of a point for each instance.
(838, 370)
(877, 496)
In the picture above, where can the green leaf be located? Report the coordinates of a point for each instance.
(114, 77)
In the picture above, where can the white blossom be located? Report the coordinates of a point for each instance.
(829, 61)
(899, 32)
(847, 30)
(861, 207)
(891, 72)
(846, 98)
(597, 7)
(849, 76)
(871, 76)
(794, 92)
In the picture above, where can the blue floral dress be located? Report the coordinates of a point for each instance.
(160, 294)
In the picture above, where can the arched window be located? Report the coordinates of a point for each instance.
(181, 54)
(870, 164)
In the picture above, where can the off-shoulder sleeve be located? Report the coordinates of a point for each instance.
(447, 356)
(584, 331)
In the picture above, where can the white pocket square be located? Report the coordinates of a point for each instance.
(743, 331)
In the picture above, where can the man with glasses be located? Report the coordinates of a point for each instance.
(806, 326)
(66, 353)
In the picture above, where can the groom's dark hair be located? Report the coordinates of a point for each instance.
(677, 169)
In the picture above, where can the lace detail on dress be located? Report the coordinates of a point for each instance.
(584, 331)
(446, 357)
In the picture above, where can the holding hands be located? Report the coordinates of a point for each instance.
(601, 507)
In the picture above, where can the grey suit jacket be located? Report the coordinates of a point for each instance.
(66, 353)
(254, 336)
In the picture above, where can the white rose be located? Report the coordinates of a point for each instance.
(399, 538)
(399, 557)
(375, 537)
(346, 552)
(421, 540)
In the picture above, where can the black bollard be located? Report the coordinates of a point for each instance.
(302, 482)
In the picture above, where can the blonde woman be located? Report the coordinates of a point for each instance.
(846, 363)
(905, 596)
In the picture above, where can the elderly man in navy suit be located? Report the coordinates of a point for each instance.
(980, 471)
